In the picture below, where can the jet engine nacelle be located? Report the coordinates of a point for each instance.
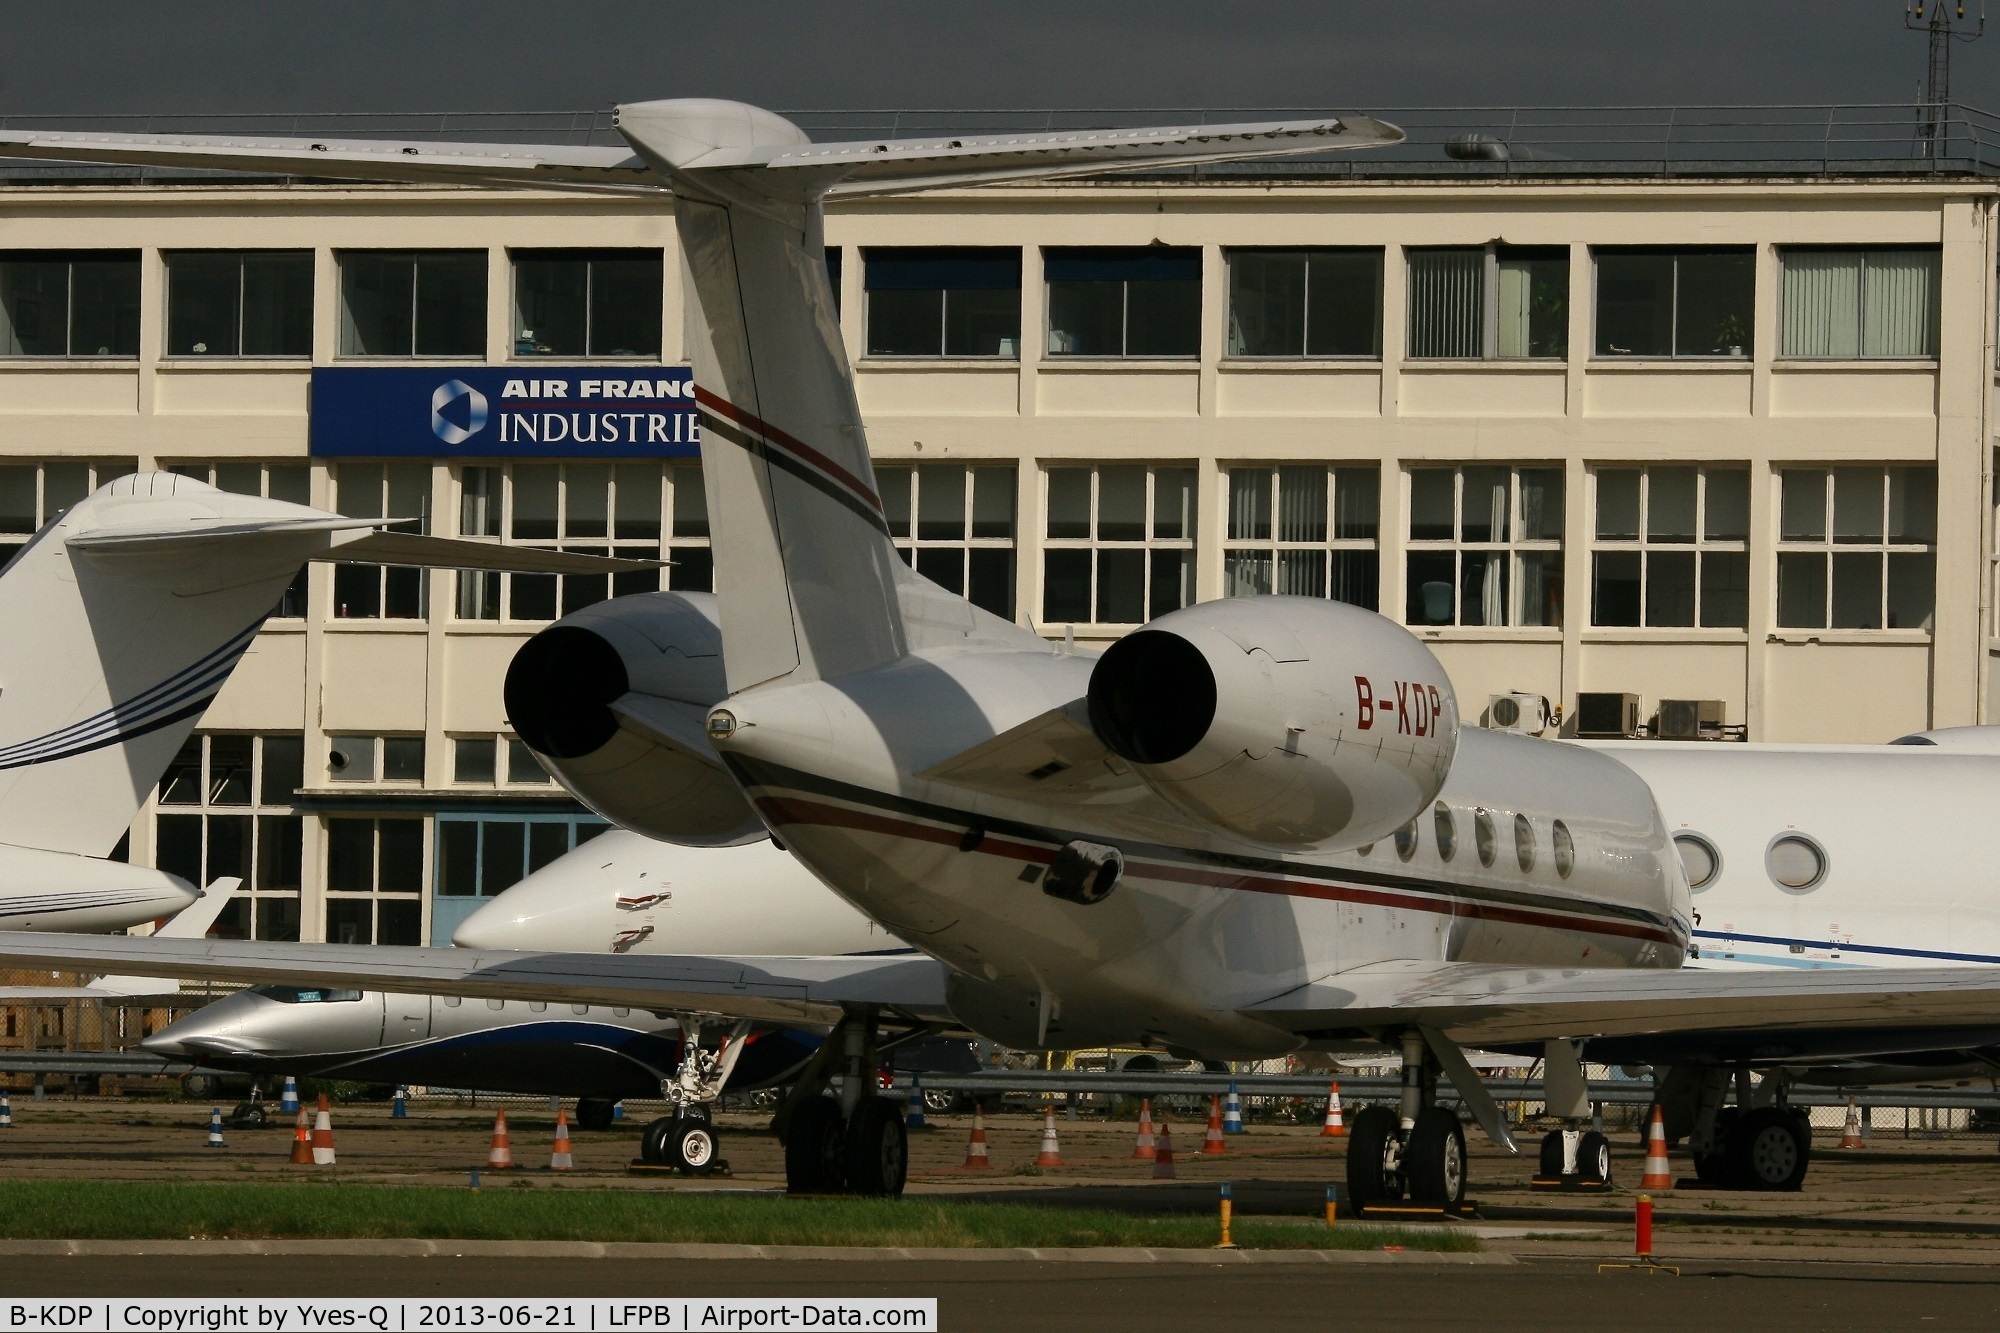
(614, 698)
(1287, 720)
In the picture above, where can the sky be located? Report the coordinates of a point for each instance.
(253, 56)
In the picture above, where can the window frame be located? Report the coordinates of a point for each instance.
(262, 817)
(1599, 355)
(1275, 546)
(1493, 253)
(944, 352)
(69, 259)
(1049, 330)
(345, 324)
(295, 602)
(97, 472)
(912, 545)
(1831, 548)
(1230, 254)
(1514, 547)
(590, 257)
(1645, 545)
(1147, 544)
(167, 258)
(1935, 313)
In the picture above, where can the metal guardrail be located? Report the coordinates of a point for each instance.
(91, 1062)
(1630, 1092)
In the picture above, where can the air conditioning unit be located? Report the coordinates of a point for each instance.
(1689, 720)
(1607, 716)
(1518, 711)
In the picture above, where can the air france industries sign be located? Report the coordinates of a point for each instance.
(506, 412)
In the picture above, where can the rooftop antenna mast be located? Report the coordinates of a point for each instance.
(1946, 23)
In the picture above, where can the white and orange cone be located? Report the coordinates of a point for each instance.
(1850, 1136)
(1213, 1144)
(975, 1148)
(1334, 1128)
(1051, 1153)
(560, 1159)
(1659, 1171)
(1145, 1149)
(302, 1142)
(500, 1156)
(1163, 1156)
(322, 1140)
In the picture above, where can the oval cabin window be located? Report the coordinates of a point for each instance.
(1795, 861)
(1565, 849)
(1698, 858)
(1447, 831)
(1524, 843)
(1484, 837)
(1406, 841)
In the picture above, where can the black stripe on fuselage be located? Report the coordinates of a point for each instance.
(757, 773)
(779, 457)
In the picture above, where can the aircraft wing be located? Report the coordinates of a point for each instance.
(355, 541)
(774, 990)
(1481, 1005)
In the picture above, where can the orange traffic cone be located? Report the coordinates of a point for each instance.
(1163, 1157)
(975, 1149)
(1051, 1153)
(560, 1159)
(500, 1156)
(1334, 1128)
(1850, 1137)
(322, 1140)
(1659, 1171)
(1214, 1144)
(1145, 1150)
(302, 1143)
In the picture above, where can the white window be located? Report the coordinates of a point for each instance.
(1671, 547)
(374, 880)
(626, 510)
(362, 758)
(1495, 301)
(391, 491)
(1485, 546)
(1305, 530)
(1856, 548)
(955, 525)
(1861, 303)
(1120, 547)
(226, 808)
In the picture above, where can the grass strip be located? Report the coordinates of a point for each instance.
(90, 1210)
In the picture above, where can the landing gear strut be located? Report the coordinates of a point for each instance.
(848, 1139)
(687, 1140)
(1760, 1143)
(1418, 1150)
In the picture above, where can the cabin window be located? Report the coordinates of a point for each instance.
(1406, 841)
(1485, 839)
(1304, 531)
(1795, 862)
(1446, 829)
(1699, 859)
(1482, 303)
(1485, 546)
(943, 301)
(955, 525)
(1671, 547)
(1524, 843)
(1300, 303)
(1565, 849)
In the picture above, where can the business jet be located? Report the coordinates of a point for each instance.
(1251, 827)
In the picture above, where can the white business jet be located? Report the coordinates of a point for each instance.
(1252, 827)
(125, 614)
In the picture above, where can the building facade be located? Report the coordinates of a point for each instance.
(1722, 439)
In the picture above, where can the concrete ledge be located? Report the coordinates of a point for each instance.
(584, 1249)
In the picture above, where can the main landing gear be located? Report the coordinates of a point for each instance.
(846, 1139)
(1416, 1152)
(687, 1140)
(1760, 1143)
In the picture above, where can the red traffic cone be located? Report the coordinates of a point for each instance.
(1051, 1153)
(1334, 1127)
(560, 1159)
(1659, 1171)
(1145, 1150)
(975, 1149)
(1213, 1144)
(501, 1155)
(1163, 1156)
(1850, 1136)
(322, 1140)
(302, 1142)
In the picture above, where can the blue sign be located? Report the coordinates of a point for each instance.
(510, 412)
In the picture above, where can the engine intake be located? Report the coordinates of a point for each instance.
(1291, 721)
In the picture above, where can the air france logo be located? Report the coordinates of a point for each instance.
(475, 412)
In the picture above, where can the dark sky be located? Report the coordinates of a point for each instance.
(164, 56)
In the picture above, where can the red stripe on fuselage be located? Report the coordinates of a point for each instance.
(798, 810)
(791, 443)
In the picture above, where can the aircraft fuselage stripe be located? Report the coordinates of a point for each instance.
(1442, 899)
(1941, 955)
(791, 443)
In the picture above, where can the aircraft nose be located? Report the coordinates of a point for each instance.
(208, 1029)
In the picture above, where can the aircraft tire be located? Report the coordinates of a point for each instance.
(1593, 1158)
(1767, 1151)
(594, 1113)
(1435, 1158)
(655, 1141)
(1369, 1142)
(814, 1141)
(1551, 1162)
(693, 1146)
(878, 1149)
